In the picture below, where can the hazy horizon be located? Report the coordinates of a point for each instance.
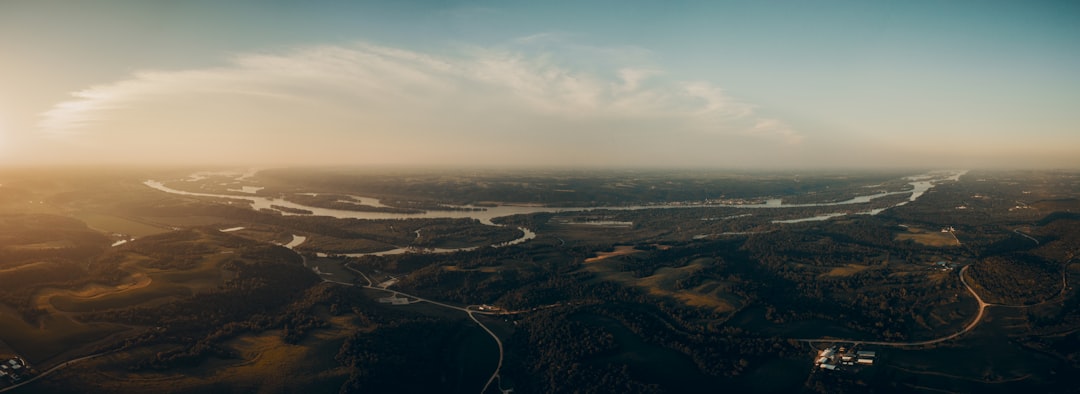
(725, 85)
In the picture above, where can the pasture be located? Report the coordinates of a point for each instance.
(666, 281)
(928, 237)
(50, 336)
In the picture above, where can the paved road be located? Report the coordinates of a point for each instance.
(1027, 236)
(968, 328)
(497, 342)
(1061, 294)
(400, 294)
(51, 370)
(468, 310)
(978, 317)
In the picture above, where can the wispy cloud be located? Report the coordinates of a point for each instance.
(377, 92)
(776, 128)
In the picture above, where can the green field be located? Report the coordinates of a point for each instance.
(664, 281)
(304, 367)
(125, 299)
(119, 225)
(51, 336)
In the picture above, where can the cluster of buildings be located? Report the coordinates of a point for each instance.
(944, 266)
(838, 356)
(14, 369)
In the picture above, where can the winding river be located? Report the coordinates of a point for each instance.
(920, 184)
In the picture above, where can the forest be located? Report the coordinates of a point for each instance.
(670, 300)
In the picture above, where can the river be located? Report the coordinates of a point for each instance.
(920, 185)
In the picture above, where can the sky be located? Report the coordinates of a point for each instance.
(725, 84)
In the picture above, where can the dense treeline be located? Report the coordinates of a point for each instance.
(554, 353)
(875, 300)
(893, 292)
(986, 205)
(617, 326)
(558, 349)
(573, 349)
(1016, 279)
(266, 281)
(404, 355)
(883, 289)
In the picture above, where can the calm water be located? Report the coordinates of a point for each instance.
(920, 185)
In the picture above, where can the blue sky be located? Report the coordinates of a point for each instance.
(717, 84)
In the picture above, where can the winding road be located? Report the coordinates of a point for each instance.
(968, 328)
(498, 366)
(974, 322)
(1017, 231)
(51, 370)
(468, 310)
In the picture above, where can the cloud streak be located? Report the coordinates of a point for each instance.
(384, 100)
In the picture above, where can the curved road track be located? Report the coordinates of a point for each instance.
(499, 365)
(468, 310)
(969, 327)
(51, 370)
(974, 322)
